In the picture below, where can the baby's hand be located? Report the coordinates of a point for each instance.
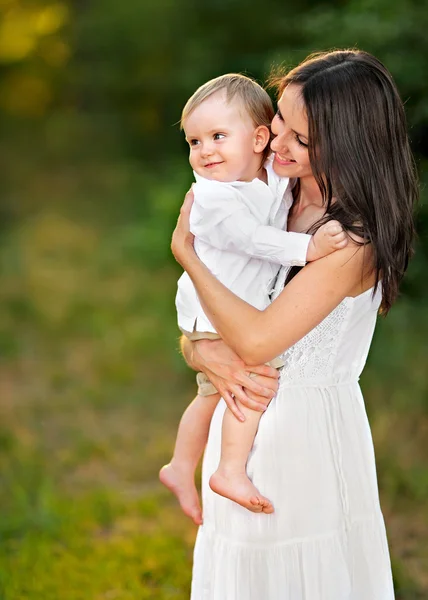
(327, 239)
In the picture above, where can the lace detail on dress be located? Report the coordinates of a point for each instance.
(312, 358)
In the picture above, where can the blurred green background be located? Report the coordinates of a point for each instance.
(91, 383)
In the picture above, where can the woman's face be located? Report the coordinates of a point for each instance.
(290, 126)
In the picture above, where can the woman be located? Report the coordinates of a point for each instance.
(340, 132)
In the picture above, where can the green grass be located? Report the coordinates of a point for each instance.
(100, 544)
(91, 390)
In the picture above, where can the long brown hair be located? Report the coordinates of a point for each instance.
(360, 155)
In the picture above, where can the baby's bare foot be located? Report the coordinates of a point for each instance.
(182, 484)
(238, 487)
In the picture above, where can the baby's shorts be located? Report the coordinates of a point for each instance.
(205, 387)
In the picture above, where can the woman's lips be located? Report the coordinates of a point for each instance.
(282, 160)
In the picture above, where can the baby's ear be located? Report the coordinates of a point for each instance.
(261, 138)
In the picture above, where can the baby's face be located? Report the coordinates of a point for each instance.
(221, 137)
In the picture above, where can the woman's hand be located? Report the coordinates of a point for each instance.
(231, 376)
(182, 238)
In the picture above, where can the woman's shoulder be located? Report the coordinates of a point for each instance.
(355, 263)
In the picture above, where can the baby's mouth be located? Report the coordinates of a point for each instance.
(213, 164)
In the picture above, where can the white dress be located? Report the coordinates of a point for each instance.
(313, 458)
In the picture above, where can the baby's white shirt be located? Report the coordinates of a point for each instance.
(239, 235)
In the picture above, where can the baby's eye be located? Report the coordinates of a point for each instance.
(219, 136)
(193, 142)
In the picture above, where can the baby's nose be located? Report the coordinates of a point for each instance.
(207, 149)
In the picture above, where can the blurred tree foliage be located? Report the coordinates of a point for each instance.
(137, 62)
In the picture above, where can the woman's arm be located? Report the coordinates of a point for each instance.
(259, 336)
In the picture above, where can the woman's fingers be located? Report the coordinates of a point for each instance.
(262, 380)
(245, 400)
(264, 370)
(237, 393)
(187, 204)
(252, 384)
(231, 404)
(182, 238)
(255, 400)
(271, 384)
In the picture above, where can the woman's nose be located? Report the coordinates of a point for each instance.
(279, 143)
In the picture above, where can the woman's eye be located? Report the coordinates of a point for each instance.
(299, 141)
(279, 115)
(219, 136)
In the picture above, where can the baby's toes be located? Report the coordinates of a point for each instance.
(255, 501)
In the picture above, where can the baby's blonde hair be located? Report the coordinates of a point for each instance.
(254, 99)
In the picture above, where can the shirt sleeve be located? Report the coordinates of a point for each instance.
(225, 222)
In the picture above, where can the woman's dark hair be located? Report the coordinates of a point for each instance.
(360, 155)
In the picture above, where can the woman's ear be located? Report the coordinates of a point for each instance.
(261, 138)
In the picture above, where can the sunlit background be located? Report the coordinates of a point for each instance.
(94, 169)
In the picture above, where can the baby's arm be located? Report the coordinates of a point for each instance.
(227, 223)
(328, 238)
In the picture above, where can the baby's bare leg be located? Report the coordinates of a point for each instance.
(192, 435)
(231, 479)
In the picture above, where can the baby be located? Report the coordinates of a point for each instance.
(238, 219)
